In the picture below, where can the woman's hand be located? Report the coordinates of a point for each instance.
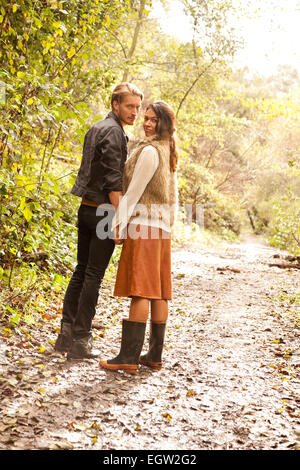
(117, 239)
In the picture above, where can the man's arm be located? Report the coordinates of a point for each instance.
(114, 197)
(111, 149)
(111, 155)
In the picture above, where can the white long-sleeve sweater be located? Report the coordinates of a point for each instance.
(144, 170)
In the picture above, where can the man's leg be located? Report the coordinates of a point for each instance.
(74, 288)
(100, 252)
(99, 257)
(72, 295)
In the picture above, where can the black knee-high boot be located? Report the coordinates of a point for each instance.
(153, 357)
(133, 334)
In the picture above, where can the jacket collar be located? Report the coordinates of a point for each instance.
(112, 115)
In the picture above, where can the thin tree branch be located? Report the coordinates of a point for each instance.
(192, 86)
(118, 40)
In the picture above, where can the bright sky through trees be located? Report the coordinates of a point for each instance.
(269, 28)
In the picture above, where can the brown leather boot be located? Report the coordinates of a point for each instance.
(133, 334)
(82, 348)
(153, 357)
(64, 339)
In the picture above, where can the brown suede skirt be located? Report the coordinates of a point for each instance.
(145, 264)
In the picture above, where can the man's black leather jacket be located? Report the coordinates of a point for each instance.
(103, 159)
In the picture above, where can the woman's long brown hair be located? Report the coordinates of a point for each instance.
(166, 128)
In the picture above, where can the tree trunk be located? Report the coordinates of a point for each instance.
(135, 36)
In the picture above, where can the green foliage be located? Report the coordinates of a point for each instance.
(285, 230)
(197, 187)
(36, 229)
(53, 63)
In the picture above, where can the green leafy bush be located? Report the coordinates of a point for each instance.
(285, 231)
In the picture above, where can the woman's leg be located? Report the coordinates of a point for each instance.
(159, 311)
(159, 316)
(139, 309)
(133, 333)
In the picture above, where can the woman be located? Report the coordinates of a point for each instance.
(146, 212)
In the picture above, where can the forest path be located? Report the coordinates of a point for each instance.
(230, 378)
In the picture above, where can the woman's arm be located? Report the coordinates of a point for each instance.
(145, 168)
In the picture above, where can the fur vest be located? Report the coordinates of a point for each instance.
(159, 200)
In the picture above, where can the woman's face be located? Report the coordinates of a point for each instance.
(150, 122)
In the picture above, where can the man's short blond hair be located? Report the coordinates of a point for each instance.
(124, 89)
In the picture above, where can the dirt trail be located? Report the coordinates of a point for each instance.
(230, 378)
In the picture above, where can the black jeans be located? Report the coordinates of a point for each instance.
(93, 256)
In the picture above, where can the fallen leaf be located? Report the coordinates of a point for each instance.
(167, 416)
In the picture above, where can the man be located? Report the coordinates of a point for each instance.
(99, 182)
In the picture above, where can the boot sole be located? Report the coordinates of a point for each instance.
(152, 365)
(129, 368)
(82, 356)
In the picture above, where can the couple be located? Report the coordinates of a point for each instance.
(146, 179)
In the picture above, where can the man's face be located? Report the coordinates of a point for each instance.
(128, 110)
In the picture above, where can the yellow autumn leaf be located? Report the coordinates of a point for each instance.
(96, 426)
(71, 52)
(30, 187)
(27, 213)
(40, 366)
